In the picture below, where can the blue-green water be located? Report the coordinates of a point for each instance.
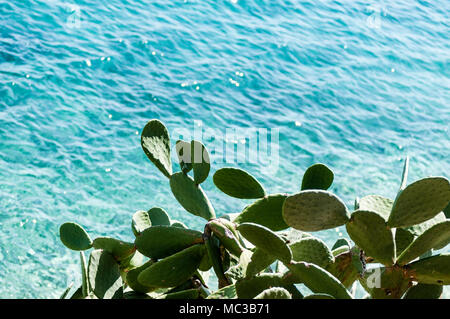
(354, 84)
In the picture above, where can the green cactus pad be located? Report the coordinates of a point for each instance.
(432, 270)
(251, 287)
(314, 210)
(344, 268)
(385, 282)
(104, 275)
(259, 261)
(177, 223)
(424, 291)
(239, 271)
(200, 162)
(85, 288)
(447, 211)
(228, 292)
(158, 217)
(225, 235)
(191, 196)
(312, 250)
(205, 264)
(340, 243)
(66, 291)
(174, 270)
(161, 241)
(370, 232)
(317, 176)
(74, 237)
(267, 211)
(193, 293)
(133, 282)
(155, 142)
(436, 236)
(317, 279)
(238, 183)
(420, 201)
(403, 239)
(183, 149)
(274, 293)
(419, 229)
(378, 204)
(140, 221)
(319, 296)
(119, 249)
(263, 238)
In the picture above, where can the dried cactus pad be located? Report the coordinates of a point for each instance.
(74, 237)
(238, 183)
(120, 250)
(420, 201)
(376, 203)
(274, 293)
(161, 241)
(191, 196)
(174, 270)
(317, 176)
(263, 238)
(155, 142)
(369, 232)
(431, 270)
(314, 210)
(104, 275)
(312, 250)
(317, 279)
(436, 236)
(140, 221)
(267, 211)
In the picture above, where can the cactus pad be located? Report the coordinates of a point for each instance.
(344, 268)
(155, 142)
(74, 237)
(177, 223)
(274, 293)
(158, 217)
(340, 243)
(420, 201)
(369, 231)
(174, 270)
(161, 241)
(226, 236)
(319, 296)
(317, 176)
(191, 196)
(436, 236)
(432, 270)
(183, 150)
(314, 210)
(251, 287)
(228, 292)
(120, 250)
(267, 211)
(238, 183)
(132, 280)
(312, 250)
(424, 291)
(259, 261)
(200, 162)
(378, 204)
(385, 282)
(140, 221)
(265, 239)
(317, 279)
(104, 275)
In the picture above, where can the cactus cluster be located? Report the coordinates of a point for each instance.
(267, 251)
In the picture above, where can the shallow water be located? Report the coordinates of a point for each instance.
(356, 85)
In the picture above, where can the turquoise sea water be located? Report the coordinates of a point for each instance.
(354, 84)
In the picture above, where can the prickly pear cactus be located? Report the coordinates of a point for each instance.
(263, 251)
